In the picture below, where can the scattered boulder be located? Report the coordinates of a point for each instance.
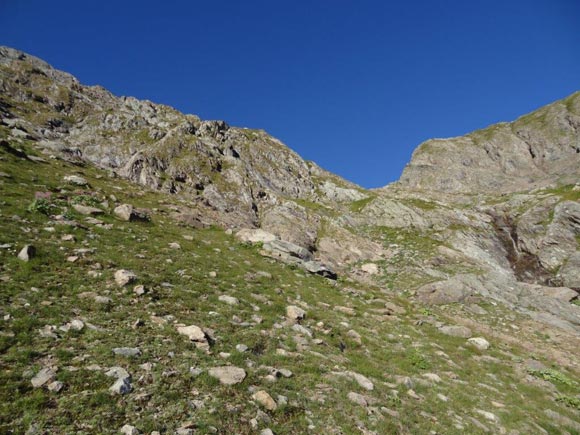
(196, 335)
(295, 313)
(359, 399)
(123, 383)
(76, 180)
(479, 342)
(55, 386)
(257, 235)
(128, 213)
(264, 399)
(43, 377)
(129, 430)
(370, 268)
(124, 277)
(27, 253)
(127, 351)
(230, 300)
(228, 375)
(86, 210)
(456, 331)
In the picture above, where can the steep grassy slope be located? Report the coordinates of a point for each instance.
(416, 379)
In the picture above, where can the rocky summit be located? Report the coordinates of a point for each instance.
(163, 274)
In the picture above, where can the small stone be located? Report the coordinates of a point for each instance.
(139, 290)
(264, 399)
(44, 376)
(363, 381)
(129, 430)
(212, 274)
(370, 268)
(87, 211)
(241, 348)
(27, 253)
(72, 258)
(127, 351)
(456, 331)
(68, 238)
(126, 212)
(295, 313)
(442, 397)
(228, 375)
(119, 373)
(174, 245)
(359, 399)
(230, 300)
(479, 342)
(432, 377)
(124, 277)
(354, 336)
(193, 332)
(76, 180)
(266, 432)
(195, 372)
(488, 415)
(411, 393)
(121, 386)
(55, 386)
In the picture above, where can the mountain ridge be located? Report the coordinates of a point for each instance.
(224, 284)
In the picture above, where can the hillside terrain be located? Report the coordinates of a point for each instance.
(160, 273)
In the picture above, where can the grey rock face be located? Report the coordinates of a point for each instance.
(570, 271)
(530, 152)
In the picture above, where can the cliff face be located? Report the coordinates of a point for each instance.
(537, 150)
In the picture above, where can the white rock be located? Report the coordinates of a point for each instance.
(193, 332)
(488, 415)
(27, 253)
(295, 313)
(129, 430)
(127, 351)
(363, 381)
(479, 342)
(230, 300)
(124, 277)
(255, 236)
(228, 375)
(55, 386)
(432, 377)
(121, 386)
(44, 376)
(370, 268)
(264, 399)
(75, 179)
(359, 399)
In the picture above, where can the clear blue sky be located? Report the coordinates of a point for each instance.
(353, 85)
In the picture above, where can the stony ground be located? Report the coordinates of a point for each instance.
(148, 326)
